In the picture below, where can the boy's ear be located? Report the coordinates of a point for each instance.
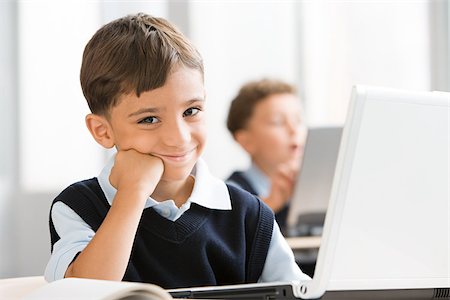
(244, 138)
(100, 130)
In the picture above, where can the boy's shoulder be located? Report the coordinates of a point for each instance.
(86, 199)
(238, 193)
(83, 194)
(88, 188)
(246, 200)
(241, 180)
(237, 176)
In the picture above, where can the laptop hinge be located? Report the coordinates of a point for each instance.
(441, 293)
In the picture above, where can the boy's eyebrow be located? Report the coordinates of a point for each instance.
(143, 111)
(199, 99)
(155, 110)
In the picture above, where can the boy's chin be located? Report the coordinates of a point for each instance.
(175, 175)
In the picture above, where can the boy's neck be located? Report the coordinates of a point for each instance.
(178, 191)
(264, 168)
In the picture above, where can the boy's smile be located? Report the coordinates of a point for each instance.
(177, 157)
(167, 122)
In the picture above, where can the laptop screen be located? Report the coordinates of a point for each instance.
(313, 184)
(390, 196)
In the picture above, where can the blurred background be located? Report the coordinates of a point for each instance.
(322, 47)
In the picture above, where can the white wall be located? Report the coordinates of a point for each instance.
(344, 43)
(52, 106)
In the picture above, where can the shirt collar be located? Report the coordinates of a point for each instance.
(258, 180)
(208, 191)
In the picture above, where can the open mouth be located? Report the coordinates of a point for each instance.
(296, 149)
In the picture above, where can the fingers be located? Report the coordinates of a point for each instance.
(287, 172)
(282, 186)
(282, 183)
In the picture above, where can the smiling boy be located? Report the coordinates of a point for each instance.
(155, 214)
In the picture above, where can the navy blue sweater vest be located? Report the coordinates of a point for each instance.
(243, 182)
(203, 247)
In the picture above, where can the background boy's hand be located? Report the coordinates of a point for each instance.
(136, 172)
(282, 185)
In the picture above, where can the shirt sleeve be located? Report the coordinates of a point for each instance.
(74, 235)
(280, 263)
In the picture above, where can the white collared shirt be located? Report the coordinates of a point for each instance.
(208, 191)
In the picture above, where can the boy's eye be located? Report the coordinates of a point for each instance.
(298, 120)
(276, 121)
(192, 111)
(149, 120)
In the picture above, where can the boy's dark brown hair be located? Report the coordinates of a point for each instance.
(133, 54)
(249, 96)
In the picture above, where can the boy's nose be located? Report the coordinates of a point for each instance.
(293, 127)
(177, 134)
(297, 130)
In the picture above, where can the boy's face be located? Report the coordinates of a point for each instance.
(167, 122)
(275, 133)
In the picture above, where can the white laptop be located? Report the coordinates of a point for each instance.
(312, 190)
(387, 228)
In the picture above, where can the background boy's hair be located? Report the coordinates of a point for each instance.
(133, 54)
(249, 96)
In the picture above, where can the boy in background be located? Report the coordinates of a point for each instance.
(155, 214)
(265, 118)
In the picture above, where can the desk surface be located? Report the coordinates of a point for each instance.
(304, 242)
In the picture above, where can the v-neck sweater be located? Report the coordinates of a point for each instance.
(202, 247)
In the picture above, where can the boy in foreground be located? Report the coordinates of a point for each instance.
(155, 214)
